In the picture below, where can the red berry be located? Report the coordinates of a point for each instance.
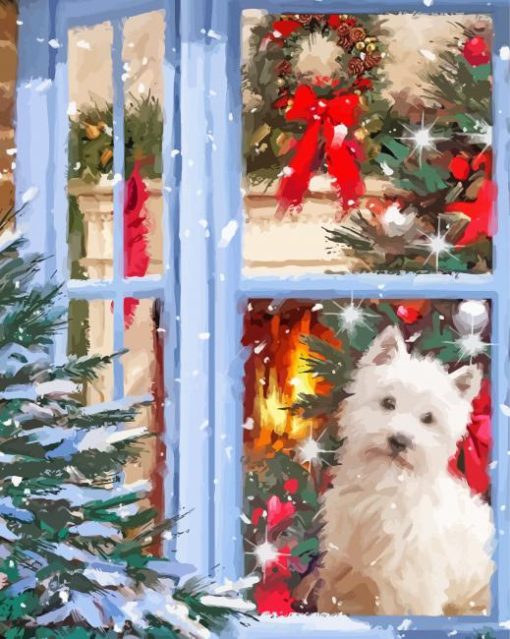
(476, 52)
(291, 485)
(459, 168)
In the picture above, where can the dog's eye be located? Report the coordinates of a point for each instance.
(388, 403)
(427, 418)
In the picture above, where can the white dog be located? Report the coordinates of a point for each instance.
(401, 535)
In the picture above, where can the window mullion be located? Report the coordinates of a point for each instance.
(118, 208)
(195, 304)
(406, 285)
(140, 287)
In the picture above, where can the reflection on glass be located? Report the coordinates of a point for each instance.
(346, 168)
(360, 450)
(143, 375)
(91, 333)
(90, 231)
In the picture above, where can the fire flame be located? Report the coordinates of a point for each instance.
(280, 377)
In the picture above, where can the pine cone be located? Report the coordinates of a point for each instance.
(372, 60)
(357, 34)
(345, 42)
(355, 66)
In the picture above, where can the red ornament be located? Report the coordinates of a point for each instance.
(274, 598)
(411, 312)
(279, 512)
(476, 445)
(476, 52)
(328, 121)
(284, 28)
(408, 315)
(273, 594)
(334, 21)
(459, 168)
(291, 485)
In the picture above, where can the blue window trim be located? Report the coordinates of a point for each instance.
(203, 288)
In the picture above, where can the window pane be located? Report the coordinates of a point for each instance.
(90, 171)
(91, 333)
(366, 456)
(143, 53)
(348, 169)
(143, 375)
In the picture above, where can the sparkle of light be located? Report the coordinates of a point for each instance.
(266, 553)
(438, 244)
(351, 316)
(471, 345)
(309, 451)
(423, 139)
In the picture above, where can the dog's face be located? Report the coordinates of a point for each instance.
(405, 412)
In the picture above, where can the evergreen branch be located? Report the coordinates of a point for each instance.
(81, 369)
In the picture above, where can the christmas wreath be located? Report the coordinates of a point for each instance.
(307, 119)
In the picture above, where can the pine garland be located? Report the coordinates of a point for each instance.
(91, 140)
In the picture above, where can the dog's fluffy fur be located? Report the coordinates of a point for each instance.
(401, 535)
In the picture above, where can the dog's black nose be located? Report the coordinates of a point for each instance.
(399, 443)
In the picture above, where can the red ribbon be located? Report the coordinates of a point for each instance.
(480, 210)
(328, 121)
(476, 445)
(136, 230)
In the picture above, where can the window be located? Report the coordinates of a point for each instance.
(221, 278)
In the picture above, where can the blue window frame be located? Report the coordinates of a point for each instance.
(202, 287)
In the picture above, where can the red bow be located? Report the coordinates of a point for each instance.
(479, 211)
(475, 446)
(327, 121)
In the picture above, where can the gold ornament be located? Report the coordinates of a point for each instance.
(360, 134)
(280, 82)
(371, 47)
(92, 131)
(106, 156)
(373, 151)
(360, 46)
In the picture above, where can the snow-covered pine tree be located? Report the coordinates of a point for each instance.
(74, 539)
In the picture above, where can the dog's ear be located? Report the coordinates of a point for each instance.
(468, 380)
(385, 347)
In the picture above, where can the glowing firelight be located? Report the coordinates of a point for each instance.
(421, 138)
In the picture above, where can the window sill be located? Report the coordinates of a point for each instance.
(319, 626)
